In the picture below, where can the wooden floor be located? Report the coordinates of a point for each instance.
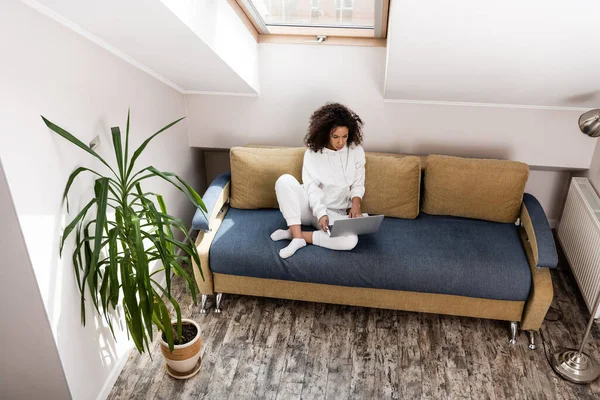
(264, 348)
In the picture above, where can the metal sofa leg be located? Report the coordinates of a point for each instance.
(514, 329)
(203, 304)
(218, 303)
(532, 345)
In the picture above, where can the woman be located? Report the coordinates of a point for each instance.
(333, 178)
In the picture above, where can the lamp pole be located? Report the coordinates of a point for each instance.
(575, 365)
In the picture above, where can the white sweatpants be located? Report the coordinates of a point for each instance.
(294, 205)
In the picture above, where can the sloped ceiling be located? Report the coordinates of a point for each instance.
(541, 53)
(533, 53)
(152, 35)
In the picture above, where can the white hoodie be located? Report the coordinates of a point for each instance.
(332, 178)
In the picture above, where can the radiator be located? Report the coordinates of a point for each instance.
(579, 236)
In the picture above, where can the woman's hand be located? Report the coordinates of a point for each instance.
(324, 223)
(355, 211)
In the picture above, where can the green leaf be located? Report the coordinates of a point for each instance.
(104, 294)
(70, 182)
(173, 220)
(156, 318)
(87, 253)
(147, 316)
(118, 193)
(77, 260)
(190, 280)
(74, 140)
(166, 320)
(101, 189)
(192, 246)
(116, 137)
(74, 223)
(163, 214)
(109, 321)
(130, 304)
(132, 182)
(191, 194)
(119, 216)
(161, 245)
(161, 203)
(92, 281)
(195, 195)
(142, 271)
(127, 139)
(186, 248)
(175, 304)
(133, 330)
(113, 267)
(140, 149)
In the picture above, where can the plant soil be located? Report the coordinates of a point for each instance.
(188, 333)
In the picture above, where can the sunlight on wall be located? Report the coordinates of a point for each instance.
(216, 23)
(39, 232)
(112, 350)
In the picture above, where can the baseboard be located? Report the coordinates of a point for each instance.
(114, 374)
(475, 104)
(206, 93)
(116, 371)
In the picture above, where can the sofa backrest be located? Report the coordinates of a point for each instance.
(254, 171)
(392, 185)
(392, 182)
(485, 189)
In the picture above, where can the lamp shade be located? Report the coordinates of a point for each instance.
(589, 123)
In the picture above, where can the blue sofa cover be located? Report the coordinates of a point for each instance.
(430, 254)
(547, 256)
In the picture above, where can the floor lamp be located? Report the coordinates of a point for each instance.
(575, 365)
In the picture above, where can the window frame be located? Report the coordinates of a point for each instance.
(308, 34)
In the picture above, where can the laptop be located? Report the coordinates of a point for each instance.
(355, 226)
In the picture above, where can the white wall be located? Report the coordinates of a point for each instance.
(534, 52)
(594, 172)
(47, 69)
(550, 188)
(296, 79)
(30, 367)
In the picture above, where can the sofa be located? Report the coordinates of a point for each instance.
(459, 237)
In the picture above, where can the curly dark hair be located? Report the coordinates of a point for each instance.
(326, 119)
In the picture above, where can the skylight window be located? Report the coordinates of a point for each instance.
(335, 18)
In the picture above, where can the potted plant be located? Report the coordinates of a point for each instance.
(112, 256)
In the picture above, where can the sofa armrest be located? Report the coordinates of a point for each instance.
(539, 233)
(215, 199)
(541, 293)
(215, 196)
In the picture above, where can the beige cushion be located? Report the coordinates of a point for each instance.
(254, 171)
(392, 185)
(491, 190)
(392, 181)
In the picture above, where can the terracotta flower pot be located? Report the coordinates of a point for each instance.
(184, 358)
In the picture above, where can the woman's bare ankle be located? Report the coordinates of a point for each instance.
(307, 236)
(296, 231)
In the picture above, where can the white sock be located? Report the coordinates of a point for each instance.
(295, 244)
(322, 239)
(281, 234)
